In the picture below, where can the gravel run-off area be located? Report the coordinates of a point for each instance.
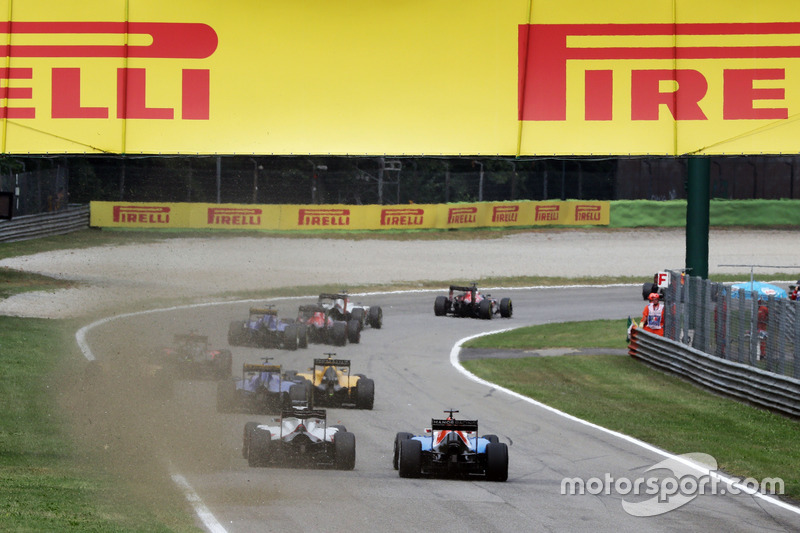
(207, 268)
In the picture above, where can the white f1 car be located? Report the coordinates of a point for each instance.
(300, 437)
(340, 307)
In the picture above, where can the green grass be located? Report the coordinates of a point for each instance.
(622, 394)
(603, 334)
(45, 483)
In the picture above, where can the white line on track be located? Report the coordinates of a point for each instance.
(200, 509)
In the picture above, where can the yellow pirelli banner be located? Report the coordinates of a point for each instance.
(450, 77)
(348, 217)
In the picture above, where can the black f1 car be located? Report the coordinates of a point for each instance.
(191, 357)
(469, 302)
(300, 437)
(451, 447)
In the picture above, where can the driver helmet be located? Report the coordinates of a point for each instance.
(653, 297)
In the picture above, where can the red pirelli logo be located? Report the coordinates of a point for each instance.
(234, 216)
(545, 50)
(545, 213)
(505, 213)
(462, 215)
(587, 213)
(323, 217)
(402, 216)
(139, 214)
(165, 40)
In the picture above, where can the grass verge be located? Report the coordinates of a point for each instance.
(622, 394)
(45, 483)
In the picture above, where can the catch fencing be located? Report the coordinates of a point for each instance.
(739, 326)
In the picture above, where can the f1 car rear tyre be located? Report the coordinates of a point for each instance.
(248, 429)
(236, 333)
(339, 333)
(354, 331)
(290, 340)
(401, 436)
(344, 446)
(410, 463)
(258, 449)
(496, 461)
(365, 393)
(339, 427)
(485, 309)
(375, 317)
(440, 306)
(302, 336)
(358, 314)
(492, 438)
(226, 396)
(506, 308)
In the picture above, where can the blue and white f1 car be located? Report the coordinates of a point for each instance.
(263, 329)
(262, 389)
(452, 448)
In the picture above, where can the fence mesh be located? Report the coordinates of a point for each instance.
(745, 327)
(40, 191)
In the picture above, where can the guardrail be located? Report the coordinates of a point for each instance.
(75, 217)
(753, 385)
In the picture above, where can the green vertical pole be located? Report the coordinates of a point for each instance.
(697, 216)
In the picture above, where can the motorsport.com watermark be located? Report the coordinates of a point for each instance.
(693, 474)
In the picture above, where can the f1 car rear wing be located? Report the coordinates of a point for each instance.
(332, 362)
(263, 311)
(252, 367)
(463, 288)
(438, 424)
(312, 308)
(304, 413)
(333, 296)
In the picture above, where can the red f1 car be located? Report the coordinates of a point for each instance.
(469, 302)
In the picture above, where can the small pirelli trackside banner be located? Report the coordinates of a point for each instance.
(349, 217)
